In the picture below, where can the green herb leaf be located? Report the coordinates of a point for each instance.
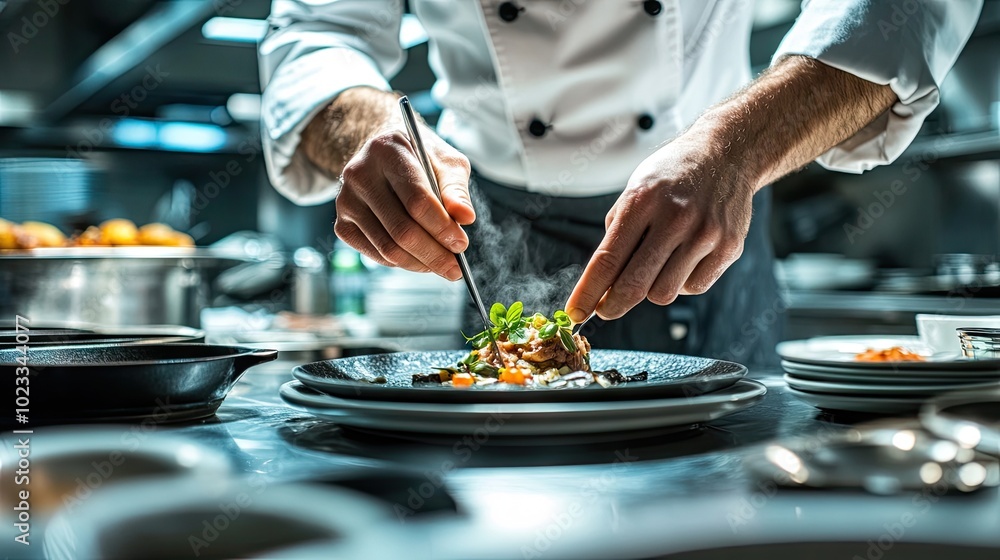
(566, 337)
(562, 319)
(473, 337)
(468, 360)
(514, 312)
(539, 319)
(496, 332)
(547, 331)
(480, 340)
(518, 335)
(484, 369)
(498, 313)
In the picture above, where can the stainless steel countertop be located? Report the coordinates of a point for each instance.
(654, 496)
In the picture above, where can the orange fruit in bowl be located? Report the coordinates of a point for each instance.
(40, 234)
(120, 232)
(8, 235)
(156, 234)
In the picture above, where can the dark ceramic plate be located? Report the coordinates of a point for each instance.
(161, 382)
(670, 375)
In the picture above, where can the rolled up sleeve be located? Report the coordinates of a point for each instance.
(315, 50)
(909, 45)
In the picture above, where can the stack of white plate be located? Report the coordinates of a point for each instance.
(400, 302)
(825, 373)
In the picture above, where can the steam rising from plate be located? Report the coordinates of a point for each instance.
(502, 246)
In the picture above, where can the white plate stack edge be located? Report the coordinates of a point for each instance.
(825, 373)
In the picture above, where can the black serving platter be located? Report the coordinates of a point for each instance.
(670, 376)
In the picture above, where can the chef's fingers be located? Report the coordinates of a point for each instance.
(384, 244)
(633, 284)
(453, 170)
(711, 268)
(607, 264)
(410, 184)
(610, 217)
(351, 234)
(671, 280)
(352, 209)
(410, 236)
(387, 165)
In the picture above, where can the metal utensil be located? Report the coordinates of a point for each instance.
(980, 343)
(579, 326)
(409, 117)
(124, 286)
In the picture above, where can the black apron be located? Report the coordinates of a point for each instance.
(533, 247)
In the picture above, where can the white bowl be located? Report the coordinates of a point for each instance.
(939, 331)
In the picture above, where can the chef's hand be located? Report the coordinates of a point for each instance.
(686, 210)
(386, 209)
(676, 228)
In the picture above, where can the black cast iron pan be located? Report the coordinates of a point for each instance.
(142, 382)
(121, 335)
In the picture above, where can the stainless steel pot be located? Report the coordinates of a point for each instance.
(110, 286)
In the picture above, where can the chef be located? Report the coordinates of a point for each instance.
(625, 141)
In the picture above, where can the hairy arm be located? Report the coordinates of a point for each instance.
(792, 114)
(685, 212)
(386, 209)
(338, 131)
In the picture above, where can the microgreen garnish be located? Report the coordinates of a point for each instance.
(510, 321)
(566, 337)
(548, 330)
(562, 319)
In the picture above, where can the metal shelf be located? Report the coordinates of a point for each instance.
(979, 144)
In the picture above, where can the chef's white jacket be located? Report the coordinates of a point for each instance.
(566, 97)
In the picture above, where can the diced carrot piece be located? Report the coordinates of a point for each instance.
(462, 380)
(513, 376)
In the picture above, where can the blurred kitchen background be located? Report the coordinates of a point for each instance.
(148, 110)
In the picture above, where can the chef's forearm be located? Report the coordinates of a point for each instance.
(790, 115)
(343, 126)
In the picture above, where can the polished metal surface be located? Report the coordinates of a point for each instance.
(110, 286)
(664, 494)
(971, 418)
(888, 457)
(310, 282)
(980, 343)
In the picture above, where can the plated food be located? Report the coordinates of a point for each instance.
(532, 351)
(390, 378)
(892, 354)
(111, 233)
